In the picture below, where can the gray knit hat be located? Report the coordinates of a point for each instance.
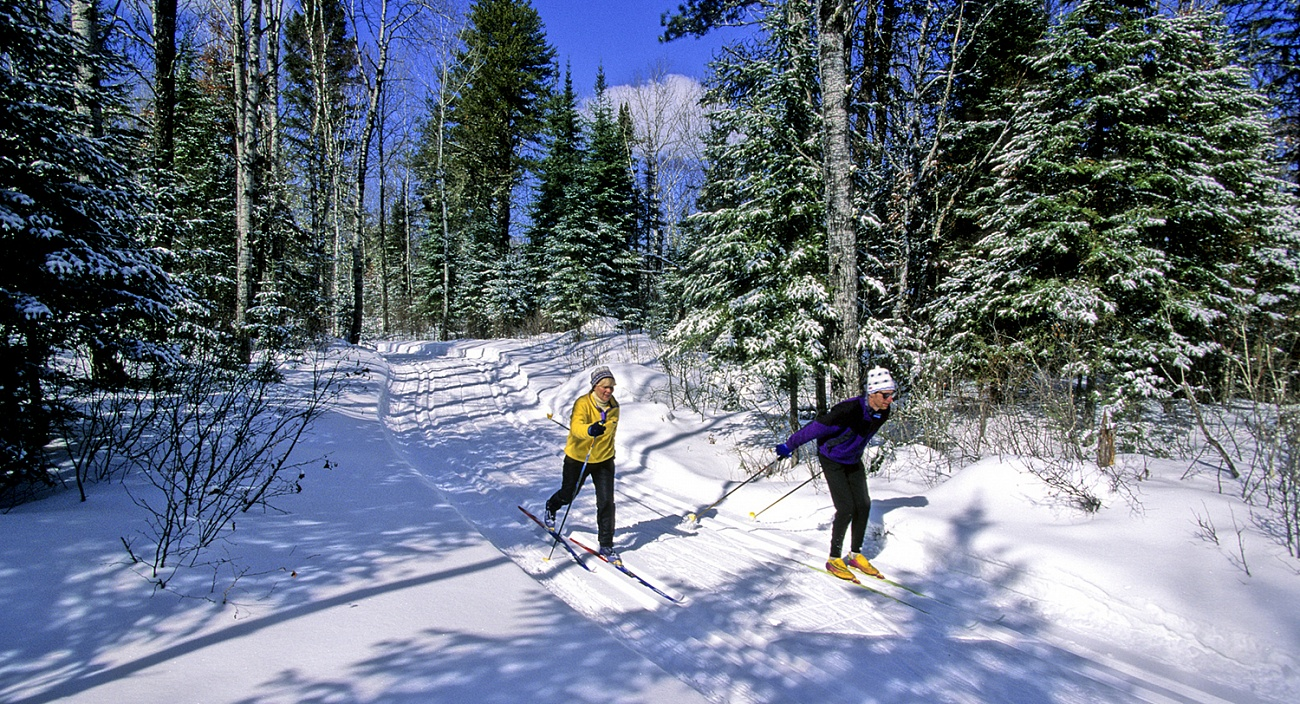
(600, 373)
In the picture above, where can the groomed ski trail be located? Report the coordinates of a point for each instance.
(468, 418)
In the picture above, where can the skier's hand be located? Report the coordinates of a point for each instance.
(783, 450)
(596, 430)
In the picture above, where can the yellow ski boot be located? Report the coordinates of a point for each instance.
(837, 568)
(861, 564)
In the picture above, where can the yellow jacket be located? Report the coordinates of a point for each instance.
(586, 412)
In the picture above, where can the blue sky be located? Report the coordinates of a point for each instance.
(623, 35)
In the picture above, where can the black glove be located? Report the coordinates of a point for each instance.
(596, 430)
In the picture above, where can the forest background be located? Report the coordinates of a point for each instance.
(1067, 228)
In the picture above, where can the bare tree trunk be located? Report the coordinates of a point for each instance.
(105, 366)
(84, 20)
(391, 22)
(443, 97)
(792, 389)
(164, 69)
(407, 254)
(327, 193)
(841, 230)
(247, 35)
(272, 252)
(383, 229)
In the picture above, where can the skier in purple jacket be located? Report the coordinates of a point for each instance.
(842, 434)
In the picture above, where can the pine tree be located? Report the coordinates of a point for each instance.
(558, 171)
(1133, 189)
(615, 202)
(75, 278)
(834, 25)
(943, 130)
(320, 81)
(1269, 33)
(504, 76)
(754, 290)
(568, 292)
(204, 164)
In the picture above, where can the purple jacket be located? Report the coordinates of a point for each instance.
(843, 432)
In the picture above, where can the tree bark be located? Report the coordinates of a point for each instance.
(164, 70)
(837, 167)
(247, 37)
(84, 20)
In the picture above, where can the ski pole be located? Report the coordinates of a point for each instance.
(548, 415)
(693, 517)
(576, 488)
(802, 485)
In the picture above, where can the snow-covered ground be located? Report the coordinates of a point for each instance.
(405, 573)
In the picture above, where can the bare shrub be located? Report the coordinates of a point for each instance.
(220, 443)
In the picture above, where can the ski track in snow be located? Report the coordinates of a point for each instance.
(755, 626)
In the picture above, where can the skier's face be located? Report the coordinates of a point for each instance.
(880, 400)
(604, 390)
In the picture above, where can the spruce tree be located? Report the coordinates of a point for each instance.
(504, 75)
(615, 201)
(1268, 32)
(319, 87)
(1116, 237)
(753, 288)
(557, 174)
(204, 164)
(75, 280)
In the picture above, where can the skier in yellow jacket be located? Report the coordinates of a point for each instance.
(590, 451)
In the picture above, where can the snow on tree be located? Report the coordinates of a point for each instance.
(75, 279)
(586, 216)
(503, 78)
(753, 289)
(1114, 240)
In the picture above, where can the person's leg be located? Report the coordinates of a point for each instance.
(569, 485)
(838, 484)
(602, 478)
(856, 477)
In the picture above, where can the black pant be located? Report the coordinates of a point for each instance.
(602, 477)
(848, 485)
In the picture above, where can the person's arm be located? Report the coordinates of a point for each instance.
(827, 425)
(815, 430)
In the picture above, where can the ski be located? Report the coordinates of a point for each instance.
(857, 582)
(559, 539)
(628, 572)
(889, 581)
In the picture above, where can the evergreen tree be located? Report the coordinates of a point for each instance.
(656, 315)
(949, 128)
(753, 289)
(615, 202)
(504, 74)
(75, 278)
(1134, 188)
(569, 291)
(204, 165)
(557, 173)
(1269, 34)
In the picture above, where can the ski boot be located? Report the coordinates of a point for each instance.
(860, 563)
(837, 568)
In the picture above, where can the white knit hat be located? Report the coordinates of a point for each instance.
(878, 379)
